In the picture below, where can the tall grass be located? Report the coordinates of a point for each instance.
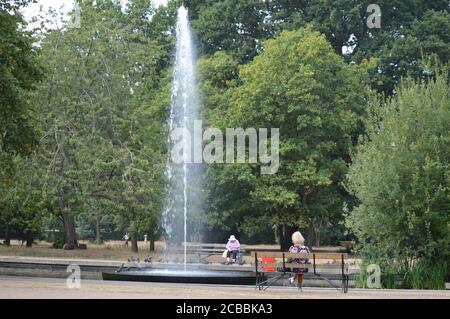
(426, 276)
(388, 279)
(361, 280)
(420, 276)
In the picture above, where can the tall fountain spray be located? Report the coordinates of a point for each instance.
(185, 179)
(183, 211)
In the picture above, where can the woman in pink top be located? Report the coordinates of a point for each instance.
(233, 248)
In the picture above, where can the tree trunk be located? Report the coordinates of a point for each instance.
(30, 239)
(285, 233)
(134, 242)
(310, 235)
(98, 238)
(7, 236)
(68, 221)
(152, 243)
(69, 228)
(317, 238)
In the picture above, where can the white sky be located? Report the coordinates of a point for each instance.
(63, 6)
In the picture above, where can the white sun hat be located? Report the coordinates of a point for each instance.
(232, 237)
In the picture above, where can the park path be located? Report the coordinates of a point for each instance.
(50, 288)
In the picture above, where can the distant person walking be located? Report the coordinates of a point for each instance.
(126, 237)
(233, 248)
(299, 248)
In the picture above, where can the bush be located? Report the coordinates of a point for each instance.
(400, 177)
(59, 239)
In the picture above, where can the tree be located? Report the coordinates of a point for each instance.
(408, 28)
(102, 157)
(24, 203)
(407, 55)
(298, 84)
(19, 72)
(14, 5)
(235, 26)
(400, 176)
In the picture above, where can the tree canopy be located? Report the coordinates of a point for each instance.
(300, 85)
(399, 175)
(19, 72)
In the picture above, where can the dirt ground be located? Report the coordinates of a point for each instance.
(29, 288)
(112, 250)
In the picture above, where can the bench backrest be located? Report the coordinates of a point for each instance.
(281, 262)
(210, 247)
(196, 245)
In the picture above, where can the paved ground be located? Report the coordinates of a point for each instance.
(27, 287)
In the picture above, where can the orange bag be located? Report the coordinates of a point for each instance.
(269, 260)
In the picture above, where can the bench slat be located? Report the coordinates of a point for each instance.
(310, 267)
(317, 255)
(293, 265)
(215, 250)
(267, 254)
(210, 246)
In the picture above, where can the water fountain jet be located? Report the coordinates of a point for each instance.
(184, 180)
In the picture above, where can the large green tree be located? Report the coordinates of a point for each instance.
(23, 201)
(300, 85)
(400, 175)
(102, 135)
(408, 29)
(409, 53)
(236, 26)
(19, 72)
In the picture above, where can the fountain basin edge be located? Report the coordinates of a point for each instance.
(219, 277)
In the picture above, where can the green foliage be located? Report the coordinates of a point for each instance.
(59, 240)
(422, 275)
(100, 116)
(408, 29)
(19, 72)
(218, 74)
(237, 26)
(400, 176)
(301, 86)
(13, 5)
(103, 144)
(426, 276)
(409, 54)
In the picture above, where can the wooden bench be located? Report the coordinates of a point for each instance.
(203, 251)
(334, 267)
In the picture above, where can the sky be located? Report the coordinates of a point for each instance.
(63, 6)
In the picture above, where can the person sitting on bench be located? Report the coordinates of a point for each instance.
(233, 248)
(299, 248)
